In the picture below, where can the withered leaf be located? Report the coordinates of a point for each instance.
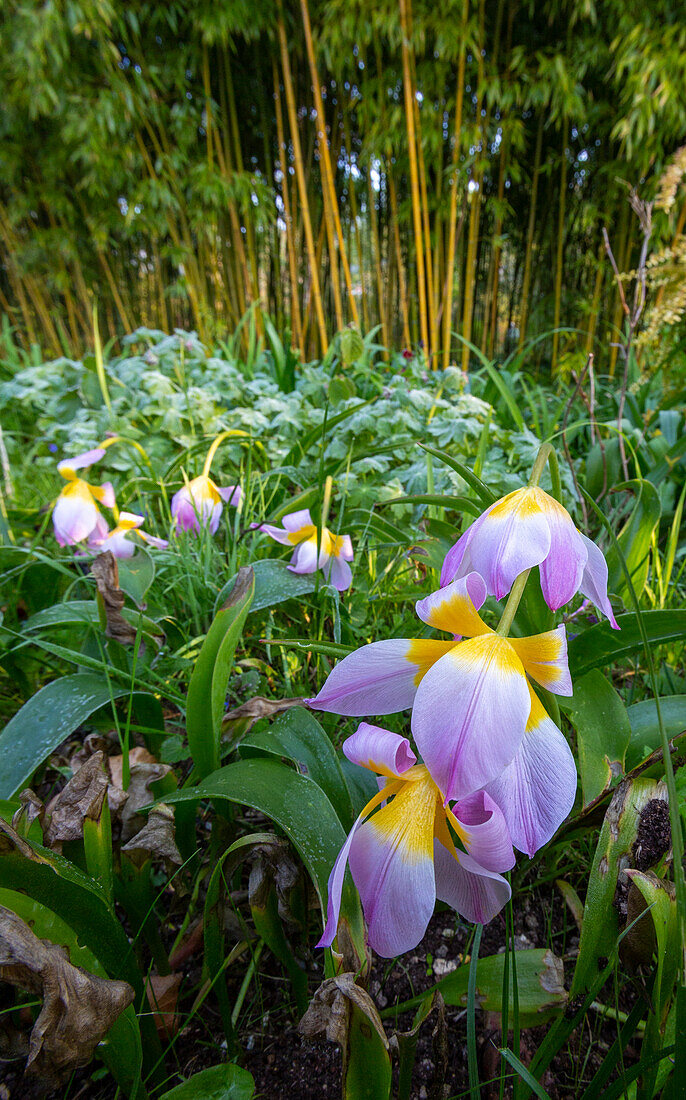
(82, 798)
(260, 707)
(30, 810)
(274, 865)
(78, 1008)
(163, 994)
(156, 839)
(329, 1010)
(139, 795)
(106, 572)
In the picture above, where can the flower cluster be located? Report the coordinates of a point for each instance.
(78, 520)
(497, 773)
(314, 548)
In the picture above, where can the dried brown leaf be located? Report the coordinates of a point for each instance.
(156, 839)
(30, 810)
(274, 866)
(106, 572)
(260, 707)
(82, 798)
(78, 1008)
(139, 795)
(163, 995)
(329, 1010)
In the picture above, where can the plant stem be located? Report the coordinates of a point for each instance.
(506, 619)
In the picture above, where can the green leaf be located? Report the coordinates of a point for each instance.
(485, 495)
(454, 503)
(352, 346)
(540, 985)
(340, 389)
(49, 717)
(121, 1051)
(294, 803)
(228, 1082)
(210, 676)
(603, 732)
(274, 583)
(600, 928)
(136, 574)
(298, 735)
(635, 539)
(600, 645)
(85, 612)
(645, 728)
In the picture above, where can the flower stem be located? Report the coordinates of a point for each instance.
(512, 604)
(546, 451)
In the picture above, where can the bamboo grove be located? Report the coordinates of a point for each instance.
(428, 170)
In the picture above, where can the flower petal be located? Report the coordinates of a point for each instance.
(79, 462)
(594, 580)
(346, 547)
(470, 714)
(511, 536)
(295, 521)
(103, 493)
(544, 657)
(536, 791)
(379, 678)
(232, 494)
(455, 607)
(477, 894)
(380, 750)
(75, 514)
(483, 831)
(339, 574)
(391, 860)
(454, 563)
(304, 558)
(335, 886)
(277, 533)
(562, 570)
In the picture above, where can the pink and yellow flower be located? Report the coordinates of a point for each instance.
(335, 551)
(471, 701)
(527, 528)
(76, 515)
(404, 856)
(121, 540)
(200, 504)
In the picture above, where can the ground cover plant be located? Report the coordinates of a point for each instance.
(234, 586)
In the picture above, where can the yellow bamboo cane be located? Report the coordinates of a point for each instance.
(560, 247)
(526, 281)
(409, 97)
(452, 221)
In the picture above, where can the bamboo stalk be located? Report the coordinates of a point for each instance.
(595, 301)
(414, 175)
(300, 176)
(402, 284)
(452, 221)
(526, 281)
(560, 250)
(376, 255)
(290, 242)
(474, 214)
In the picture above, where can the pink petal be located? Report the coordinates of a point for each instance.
(104, 493)
(562, 570)
(380, 750)
(470, 714)
(511, 536)
(119, 545)
(477, 894)
(454, 563)
(80, 462)
(391, 860)
(454, 608)
(544, 657)
(295, 521)
(486, 837)
(232, 494)
(339, 574)
(74, 517)
(380, 678)
(594, 580)
(346, 551)
(304, 558)
(536, 791)
(159, 544)
(131, 517)
(276, 533)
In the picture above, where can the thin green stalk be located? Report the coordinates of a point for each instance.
(252, 967)
(472, 1056)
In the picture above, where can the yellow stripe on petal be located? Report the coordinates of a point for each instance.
(442, 832)
(406, 824)
(544, 657)
(492, 648)
(457, 615)
(424, 652)
(307, 532)
(81, 489)
(522, 501)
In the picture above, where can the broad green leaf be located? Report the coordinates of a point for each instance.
(86, 612)
(274, 583)
(136, 574)
(48, 718)
(600, 645)
(600, 929)
(540, 986)
(368, 1063)
(298, 735)
(635, 539)
(227, 1082)
(352, 346)
(121, 1050)
(454, 503)
(294, 803)
(210, 676)
(603, 732)
(486, 495)
(645, 730)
